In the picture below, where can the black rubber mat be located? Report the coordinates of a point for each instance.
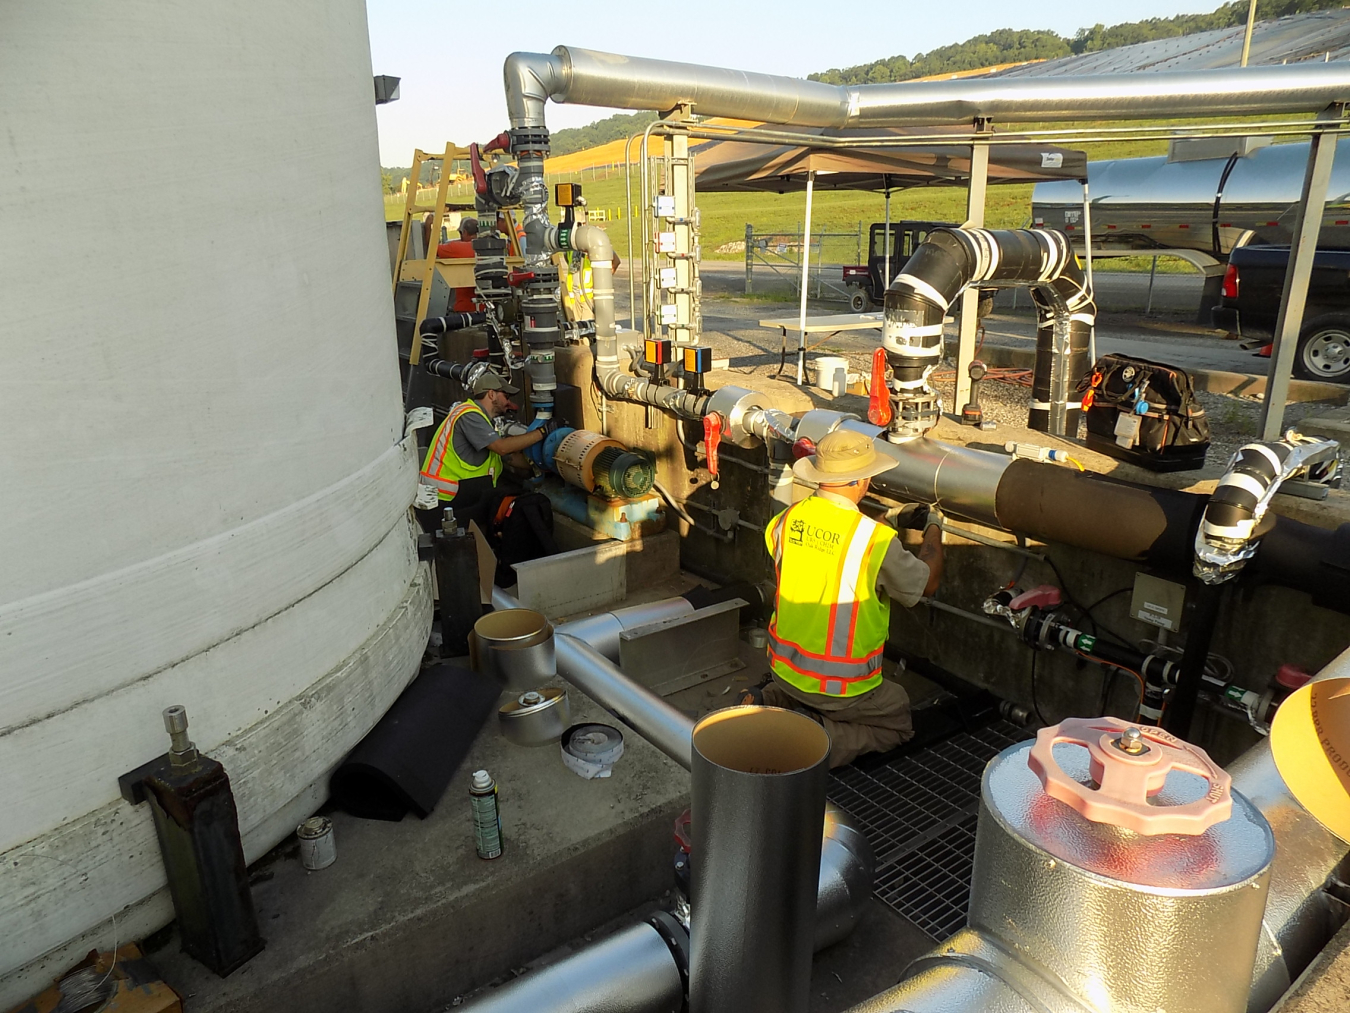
(918, 812)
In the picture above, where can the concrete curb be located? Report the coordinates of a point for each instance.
(1213, 381)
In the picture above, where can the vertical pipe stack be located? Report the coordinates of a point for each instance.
(758, 807)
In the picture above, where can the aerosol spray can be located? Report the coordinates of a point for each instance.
(487, 818)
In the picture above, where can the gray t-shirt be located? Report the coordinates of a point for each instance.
(471, 436)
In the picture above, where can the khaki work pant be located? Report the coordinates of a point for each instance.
(874, 722)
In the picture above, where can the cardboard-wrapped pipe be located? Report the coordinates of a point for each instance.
(758, 791)
(1132, 522)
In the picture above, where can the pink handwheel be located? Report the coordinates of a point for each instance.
(1130, 763)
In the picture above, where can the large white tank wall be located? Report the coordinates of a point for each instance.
(203, 475)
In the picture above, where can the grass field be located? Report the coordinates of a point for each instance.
(723, 216)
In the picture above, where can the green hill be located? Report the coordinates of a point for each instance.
(1008, 45)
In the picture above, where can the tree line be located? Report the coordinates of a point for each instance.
(1009, 45)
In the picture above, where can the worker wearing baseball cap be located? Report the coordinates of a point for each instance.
(838, 572)
(464, 460)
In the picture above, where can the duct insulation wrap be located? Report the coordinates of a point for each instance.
(758, 806)
(633, 971)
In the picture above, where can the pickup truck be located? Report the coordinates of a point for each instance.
(1252, 287)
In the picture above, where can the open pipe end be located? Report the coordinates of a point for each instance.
(761, 740)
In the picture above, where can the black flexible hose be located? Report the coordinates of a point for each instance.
(451, 322)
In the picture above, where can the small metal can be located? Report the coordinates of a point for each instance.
(318, 849)
(487, 820)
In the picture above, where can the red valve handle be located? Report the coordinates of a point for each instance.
(879, 397)
(475, 165)
(502, 142)
(517, 278)
(1128, 779)
(1042, 596)
(712, 437)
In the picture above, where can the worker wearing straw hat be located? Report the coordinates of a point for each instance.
(838, 572)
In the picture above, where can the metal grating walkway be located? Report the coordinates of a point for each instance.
(918, 813)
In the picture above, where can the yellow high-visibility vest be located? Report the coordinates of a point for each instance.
(578, 290)
(445, 469)
(830, 623)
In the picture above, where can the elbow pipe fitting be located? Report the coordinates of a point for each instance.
(947, 262)
(531, 79)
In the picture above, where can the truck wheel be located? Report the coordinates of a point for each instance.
(858, 302)
(1324, 350)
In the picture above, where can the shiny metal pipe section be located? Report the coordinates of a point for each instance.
(585, 77)
(1300, 916)
(758, 789)
(629, 973)
(845, 884)
(588, 670)
(632, 971)
(603, 630)
(959, 481)
(968, 975)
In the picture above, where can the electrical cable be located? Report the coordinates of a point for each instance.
(1035, 706)
(1098, 627)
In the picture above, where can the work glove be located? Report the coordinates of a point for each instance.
(913, 516)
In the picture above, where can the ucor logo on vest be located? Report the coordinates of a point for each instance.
(812, 537)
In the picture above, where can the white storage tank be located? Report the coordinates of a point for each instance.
(204, 479)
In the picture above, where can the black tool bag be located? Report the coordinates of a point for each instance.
(1145, 413)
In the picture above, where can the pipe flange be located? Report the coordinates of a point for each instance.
(675, 937)
(733, 404)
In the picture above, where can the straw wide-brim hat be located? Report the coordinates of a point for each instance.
(841, 457)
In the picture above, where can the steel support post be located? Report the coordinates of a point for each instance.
(970, 298)
(806, 267)
(1307, 226)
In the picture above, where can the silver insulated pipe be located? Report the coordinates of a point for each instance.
(585, 77)
(758, 808)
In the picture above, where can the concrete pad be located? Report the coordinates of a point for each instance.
(1334, 424)
(409, 917)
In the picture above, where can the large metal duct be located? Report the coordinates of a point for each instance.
(940, 268)
(759, 778)
(632, 971)
(584, 77)
(1087, 511)
(242, 541)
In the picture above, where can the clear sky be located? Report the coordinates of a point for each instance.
(449, 54)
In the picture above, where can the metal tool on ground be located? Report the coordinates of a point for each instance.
(971, 412)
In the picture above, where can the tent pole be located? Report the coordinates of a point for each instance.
(886, 278)
(1307, 227)
(970, 298)
(806, 264)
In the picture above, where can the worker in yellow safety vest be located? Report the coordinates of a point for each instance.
(838, 572)
(578, 285)
(464, 460)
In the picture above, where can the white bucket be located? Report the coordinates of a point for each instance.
(831, 374)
